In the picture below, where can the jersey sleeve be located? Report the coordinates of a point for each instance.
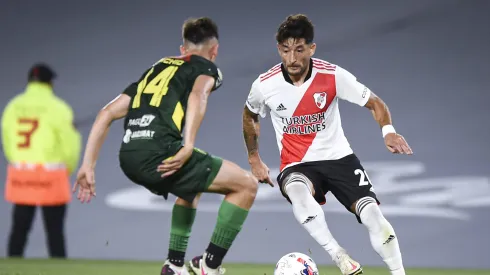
(210, 69)
(349, 89)
(255, 100)
(131, 89)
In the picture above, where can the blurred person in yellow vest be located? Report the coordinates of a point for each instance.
(42, 147)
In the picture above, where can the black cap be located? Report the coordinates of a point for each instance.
(41, 72)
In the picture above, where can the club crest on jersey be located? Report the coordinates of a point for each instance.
(320, 99)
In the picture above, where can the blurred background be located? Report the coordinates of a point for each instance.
(428, 59)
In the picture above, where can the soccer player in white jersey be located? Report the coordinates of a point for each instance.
(301, 94)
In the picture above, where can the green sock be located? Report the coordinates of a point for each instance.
(182, 220)
(230, 222)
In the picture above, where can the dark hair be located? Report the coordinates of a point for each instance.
(41, 72)
(199, 30)
(296, 26)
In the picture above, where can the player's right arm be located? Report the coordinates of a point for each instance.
(114, 110)
(254, 107)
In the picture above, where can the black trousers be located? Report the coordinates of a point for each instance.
(22, 217)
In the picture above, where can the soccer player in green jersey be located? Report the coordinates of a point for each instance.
(158, 152)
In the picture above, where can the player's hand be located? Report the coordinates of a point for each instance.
(397, 144)
(85, 183)
(261, 172)
(173, 164)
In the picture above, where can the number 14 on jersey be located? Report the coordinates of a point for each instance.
(158, 86)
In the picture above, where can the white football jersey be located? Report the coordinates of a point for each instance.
(306, 118)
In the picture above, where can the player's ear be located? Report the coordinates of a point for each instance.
(312, 49)
(182, 50)
(213, 52)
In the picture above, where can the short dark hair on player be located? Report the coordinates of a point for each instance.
(296, 26)
(199, 30)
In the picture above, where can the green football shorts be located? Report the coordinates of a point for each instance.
(194, 177)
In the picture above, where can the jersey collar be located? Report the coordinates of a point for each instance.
(288, 79)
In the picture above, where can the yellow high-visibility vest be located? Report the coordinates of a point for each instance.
(41, 145)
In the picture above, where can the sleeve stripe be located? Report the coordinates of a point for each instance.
(365, 96)
(250, 108)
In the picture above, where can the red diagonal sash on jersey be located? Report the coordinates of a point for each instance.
(294, 147)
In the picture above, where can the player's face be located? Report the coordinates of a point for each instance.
(295, 55)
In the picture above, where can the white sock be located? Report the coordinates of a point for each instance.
(381, 233)
(311, 216)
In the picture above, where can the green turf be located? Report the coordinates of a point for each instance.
(91, 267)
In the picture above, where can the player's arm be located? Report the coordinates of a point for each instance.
(116, 109)
(394, 142)
(255, 106)
(251, 132)
(196, 108)
(379, 109)
(348, 88)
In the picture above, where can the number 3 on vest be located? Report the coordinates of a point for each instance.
(30, 126)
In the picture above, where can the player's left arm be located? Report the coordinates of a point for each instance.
(114, 110)
(348, 88)
(395, 143)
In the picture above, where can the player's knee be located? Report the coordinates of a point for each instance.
(360, 205)
(371, 215)
(247, 185)
(182, 202)
(297, 183)
(297, 187)
(252, 185)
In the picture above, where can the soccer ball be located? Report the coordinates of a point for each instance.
(296, 264)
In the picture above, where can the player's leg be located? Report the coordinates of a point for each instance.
(140, 168)
(381, 233)
(183, 215)
(350, 183)
(300, 191)
(240, 188)
(304, 190)
(205, 173)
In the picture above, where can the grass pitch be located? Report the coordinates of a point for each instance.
(96, 267)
